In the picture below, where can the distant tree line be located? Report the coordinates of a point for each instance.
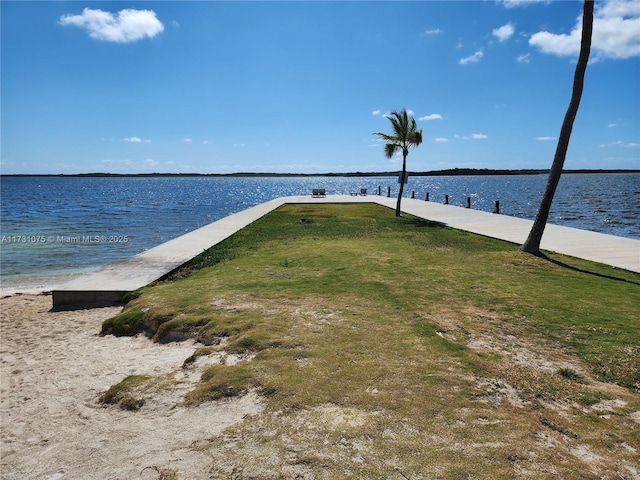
(395, 173)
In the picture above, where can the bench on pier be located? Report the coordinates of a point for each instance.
(318, 192)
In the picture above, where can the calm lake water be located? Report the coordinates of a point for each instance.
(53, 228)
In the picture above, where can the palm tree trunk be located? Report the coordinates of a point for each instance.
(401, 191)
(532, 244)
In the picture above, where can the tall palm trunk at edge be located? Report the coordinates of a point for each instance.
(532, 244)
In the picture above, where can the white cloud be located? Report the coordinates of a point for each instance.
(562, 45)
(524, 58)
(475, 58)
(545, 138)
(187, 140)
(440, 139)
(132, 139)
(504, 33)
(376, 112)
(388, 114)
(612, 125)
(112, 162)
(616, 33)
(433, 116)
(149, 162)
(435, 31)
(620, 143)
(520, 3)
(128, 25)
(475, 136)
(205, 142)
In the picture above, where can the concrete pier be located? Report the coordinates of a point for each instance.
(108, 284)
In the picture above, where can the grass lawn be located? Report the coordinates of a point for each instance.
(397, 348)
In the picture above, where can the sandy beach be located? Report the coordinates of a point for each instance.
(54, 366)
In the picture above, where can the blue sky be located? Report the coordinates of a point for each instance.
(222, 87)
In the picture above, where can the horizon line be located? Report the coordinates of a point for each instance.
(445, 172)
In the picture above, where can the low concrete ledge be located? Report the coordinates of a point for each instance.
(86, 298)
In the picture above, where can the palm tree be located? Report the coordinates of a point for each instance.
(405, 135)
(532, 244)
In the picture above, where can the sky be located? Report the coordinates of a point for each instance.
(302, 86)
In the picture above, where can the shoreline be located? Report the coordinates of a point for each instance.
(44, 285)
(6, 292)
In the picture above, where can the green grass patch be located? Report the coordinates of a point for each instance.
(405, 345)
(127, 393)
(222, 381)
(407, 264)
(129, 322)
(199, 352)
(571, 374)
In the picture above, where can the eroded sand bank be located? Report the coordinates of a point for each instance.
(54, 366)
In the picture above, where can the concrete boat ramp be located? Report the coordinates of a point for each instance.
(111, 282)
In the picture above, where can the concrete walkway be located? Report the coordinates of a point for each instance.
(111, 282)
(108, 284)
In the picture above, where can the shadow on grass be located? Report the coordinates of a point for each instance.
(588, 272)
(423, 223)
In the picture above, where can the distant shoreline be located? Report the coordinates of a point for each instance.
(434, 173)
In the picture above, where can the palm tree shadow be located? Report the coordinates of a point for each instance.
(588, 272)
(423, 223)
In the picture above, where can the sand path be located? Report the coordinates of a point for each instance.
(53, 368)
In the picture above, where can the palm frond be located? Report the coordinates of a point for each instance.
(385, 137)
(412, 127)
(416, 138)
(390, 149)
(399, 124)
